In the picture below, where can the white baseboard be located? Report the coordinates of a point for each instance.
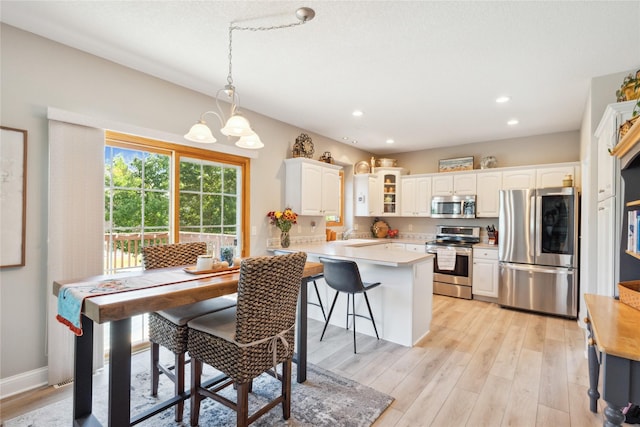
(23, 382)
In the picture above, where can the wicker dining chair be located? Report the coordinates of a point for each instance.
(168, 328)
(313, 280)
(247, 340)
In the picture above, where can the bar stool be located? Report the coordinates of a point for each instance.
(344, 276)
(168, 328)
(315, 286)
(251, 338)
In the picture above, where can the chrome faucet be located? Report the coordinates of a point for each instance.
(346, 234)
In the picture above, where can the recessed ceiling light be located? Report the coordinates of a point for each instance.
(357, 113)
(513, 122)
(390, 141)
(355, 141)
(503, 99)
(345, 138)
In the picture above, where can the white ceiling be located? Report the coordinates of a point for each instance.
(425, 73)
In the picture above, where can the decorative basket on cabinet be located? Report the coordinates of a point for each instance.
(630, 293)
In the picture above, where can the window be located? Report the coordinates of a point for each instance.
(156, 193)
(338, 220)
(210, 204)
(137, 204)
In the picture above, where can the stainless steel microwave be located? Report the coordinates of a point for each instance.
(453, 207)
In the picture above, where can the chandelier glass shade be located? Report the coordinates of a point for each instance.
(237, 125)
(200, 132)
(251, 142)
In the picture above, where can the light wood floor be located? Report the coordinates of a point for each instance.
(481, 365)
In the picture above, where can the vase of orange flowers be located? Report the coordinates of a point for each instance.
(283, 220)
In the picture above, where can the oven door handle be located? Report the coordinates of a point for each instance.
(461, 252)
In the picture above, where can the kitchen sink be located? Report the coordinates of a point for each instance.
(357, 242)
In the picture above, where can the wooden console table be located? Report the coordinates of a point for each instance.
(614, 344)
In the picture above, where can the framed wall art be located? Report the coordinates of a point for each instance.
(13, 196)
(454, 165)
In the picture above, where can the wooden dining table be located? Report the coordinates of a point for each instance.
(119, 308)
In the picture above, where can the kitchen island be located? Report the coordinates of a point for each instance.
(401, 306)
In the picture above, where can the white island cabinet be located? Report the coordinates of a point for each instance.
(312, 187)
(401, 305)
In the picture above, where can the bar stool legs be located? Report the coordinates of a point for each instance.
(319, 304)
(351, 297)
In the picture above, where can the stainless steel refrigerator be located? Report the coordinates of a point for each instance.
(538, 250)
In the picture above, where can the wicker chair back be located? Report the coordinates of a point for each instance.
(267, 295)
(172, 255)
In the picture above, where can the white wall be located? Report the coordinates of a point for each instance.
(532, 150)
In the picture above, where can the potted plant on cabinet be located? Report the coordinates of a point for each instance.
(629, 91)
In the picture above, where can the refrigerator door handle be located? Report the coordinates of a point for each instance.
(532, 226)
(537, 269)
(539, 226)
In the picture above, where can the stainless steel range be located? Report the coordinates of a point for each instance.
(453, 259)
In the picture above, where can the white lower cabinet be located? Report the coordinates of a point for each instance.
(485, 272)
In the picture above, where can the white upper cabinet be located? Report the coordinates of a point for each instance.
(442, 185)
(553, 177)
(454, 184)
(415, 197)
(330, 192)
(518, 179)
(391, 187)
(410, 195)
(608, 166)
(312, 187)
(488, 200)
(464, 184)
(607, 136)
(367, 195)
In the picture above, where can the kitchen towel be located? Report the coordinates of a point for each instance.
(446, 258)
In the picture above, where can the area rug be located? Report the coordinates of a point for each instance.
(325, 399)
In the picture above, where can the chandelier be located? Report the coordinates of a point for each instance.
(237, 125)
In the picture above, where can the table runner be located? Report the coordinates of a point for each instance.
(71, 296)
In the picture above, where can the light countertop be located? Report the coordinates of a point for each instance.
(365, 250)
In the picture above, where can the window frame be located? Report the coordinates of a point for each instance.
(341, 211)
(176, 152)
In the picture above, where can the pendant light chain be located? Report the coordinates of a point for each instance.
(229, 77)
(236, 27)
